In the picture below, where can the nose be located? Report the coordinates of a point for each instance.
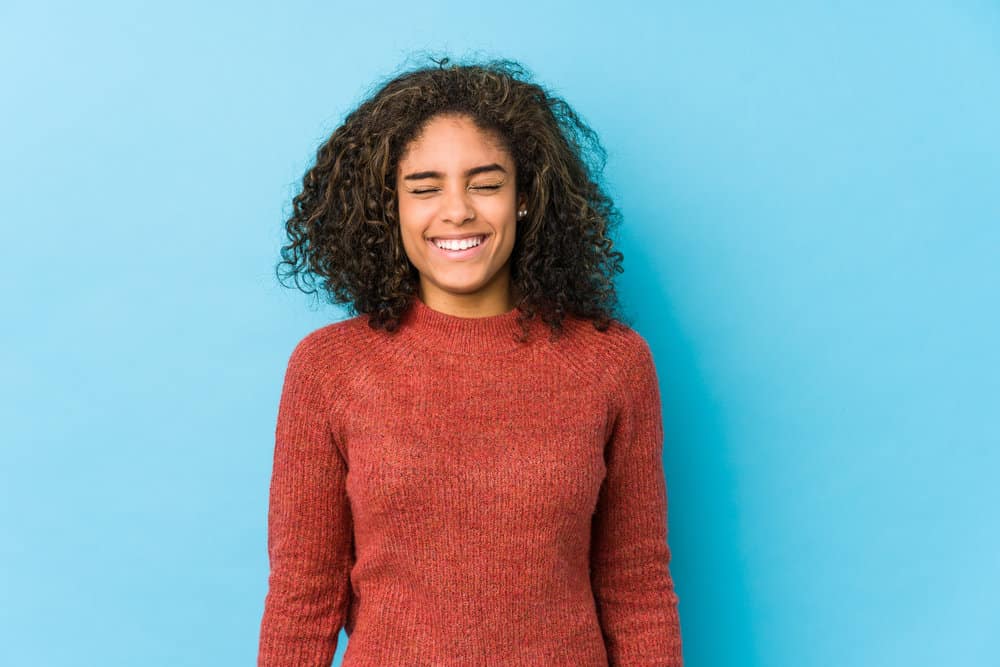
(456, 206)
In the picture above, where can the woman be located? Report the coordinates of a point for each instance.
(450, 484)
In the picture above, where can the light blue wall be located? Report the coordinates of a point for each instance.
(812, 234)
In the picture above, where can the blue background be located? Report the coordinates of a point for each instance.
(811, 204)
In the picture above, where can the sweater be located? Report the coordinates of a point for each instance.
(452, 496)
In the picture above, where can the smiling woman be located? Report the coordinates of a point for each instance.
(453, 141)
(450, 486)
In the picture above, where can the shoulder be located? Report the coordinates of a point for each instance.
(331, 345)
(620, 350)
(614, 363)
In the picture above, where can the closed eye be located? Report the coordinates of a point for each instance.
(474, 187)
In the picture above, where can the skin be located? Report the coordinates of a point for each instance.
(452, 202)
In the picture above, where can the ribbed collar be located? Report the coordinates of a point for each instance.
(451, 334)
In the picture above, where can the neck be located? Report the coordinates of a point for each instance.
(483, 303)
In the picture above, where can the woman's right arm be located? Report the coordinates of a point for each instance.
(310, 534)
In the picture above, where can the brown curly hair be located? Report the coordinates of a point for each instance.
(344, 227)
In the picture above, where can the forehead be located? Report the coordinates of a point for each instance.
(450, 139)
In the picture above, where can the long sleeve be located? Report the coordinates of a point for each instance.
(310, 531)
(629, 558)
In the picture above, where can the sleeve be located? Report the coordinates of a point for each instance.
(629, 558)
(310, 530)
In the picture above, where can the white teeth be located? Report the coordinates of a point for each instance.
(462, 244)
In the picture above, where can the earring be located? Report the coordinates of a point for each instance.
(521, 214)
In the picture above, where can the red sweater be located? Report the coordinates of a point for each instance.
(454, 497)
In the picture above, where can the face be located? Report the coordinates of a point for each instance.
(456, 186)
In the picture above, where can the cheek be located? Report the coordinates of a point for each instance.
(413, 243)
(415, 214)
(409, 220)
(404, 213)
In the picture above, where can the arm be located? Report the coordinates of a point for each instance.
(310, 531)
(629, 556)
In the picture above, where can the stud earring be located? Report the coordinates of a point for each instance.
(521, 214)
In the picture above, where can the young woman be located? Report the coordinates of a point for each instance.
(467, 471)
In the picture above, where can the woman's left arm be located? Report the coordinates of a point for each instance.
(629, 556)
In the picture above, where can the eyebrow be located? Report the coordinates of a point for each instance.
(416, 176)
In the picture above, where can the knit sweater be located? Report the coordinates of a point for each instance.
(451, 496)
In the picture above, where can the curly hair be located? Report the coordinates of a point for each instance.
(344, 228)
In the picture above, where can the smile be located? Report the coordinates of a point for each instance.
(460, 249)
